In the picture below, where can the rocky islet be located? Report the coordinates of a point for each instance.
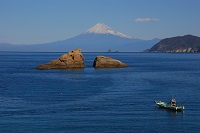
(107, 62)
(74, 59)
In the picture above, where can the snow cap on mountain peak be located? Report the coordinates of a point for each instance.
(101, 28)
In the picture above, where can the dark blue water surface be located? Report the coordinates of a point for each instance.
(93, 100)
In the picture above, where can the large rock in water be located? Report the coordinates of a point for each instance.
(107, 62)
(73, 59)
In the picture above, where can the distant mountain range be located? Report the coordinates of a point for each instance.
(99, 38)
(187, 43)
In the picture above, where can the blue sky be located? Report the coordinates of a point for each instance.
(40, 21)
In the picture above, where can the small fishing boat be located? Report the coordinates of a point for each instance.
(171, 105)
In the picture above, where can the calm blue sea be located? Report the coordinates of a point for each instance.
(99, 100)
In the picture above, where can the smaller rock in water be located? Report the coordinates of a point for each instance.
(107, 62)
(73, 59)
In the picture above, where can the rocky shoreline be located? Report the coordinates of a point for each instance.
(181, 50)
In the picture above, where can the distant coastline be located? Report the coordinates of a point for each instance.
(179, 44)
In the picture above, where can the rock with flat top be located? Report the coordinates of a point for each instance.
(107, 62)
(73, 59)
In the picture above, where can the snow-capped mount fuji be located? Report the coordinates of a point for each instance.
(101, 28)
(99, 38)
